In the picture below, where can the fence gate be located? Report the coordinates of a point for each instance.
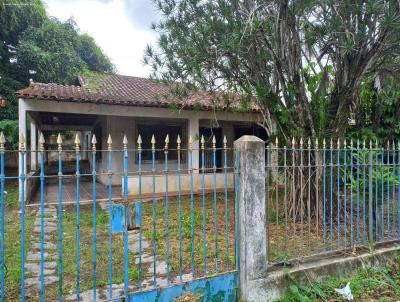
(168, 229)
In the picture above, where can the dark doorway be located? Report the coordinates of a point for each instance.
(208, 134)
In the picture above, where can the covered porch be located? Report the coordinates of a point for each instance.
(102, 120)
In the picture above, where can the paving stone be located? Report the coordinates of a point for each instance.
(145, 259)
(33, 256)
(161, 268)
(46, 245)
(46, 230)
(134, 247)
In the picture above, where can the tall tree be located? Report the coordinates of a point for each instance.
(302, 61)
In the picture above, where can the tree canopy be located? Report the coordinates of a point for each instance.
(34, 46)
(304, 62)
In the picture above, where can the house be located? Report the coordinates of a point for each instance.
(116, 105)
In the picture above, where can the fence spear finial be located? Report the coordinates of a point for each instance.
(21, 141)
(2, 141)
(225, 142)
(316, 143)
(376, 143)
(331, 143)
(338, 143)
(394, 145)
(166, 143)
(178, 142)
(214, 141)
(301, 142)
(358, 143)
(364, 143)
(77, 142)
(109, 142)
(351, 143)
(345, 143)
(324, 143)
(276, 142)
(94, 142)
(41, 142)
(139, 142)
(125, 141)
(59, 141)
(293, 142)
(153, 142)
(190, 143)
(309, 143)
(202, 142)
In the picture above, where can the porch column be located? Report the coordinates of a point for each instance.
(83, 135)
(194, 133)
(22, 131)
(33, 147)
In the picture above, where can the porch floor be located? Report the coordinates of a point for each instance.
(69, 192)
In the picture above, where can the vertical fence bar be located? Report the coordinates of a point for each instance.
(153, 170)
(317, 174)
(301, 196)
(214, 149)
(78, 217)
(382, 194)
(276, 176)
(293, 195)
(2, 180)
(60, 219)
(331, 196)
(338, 194)
(267, 203)
(393, 188)
(110, 211)
(94, 142)
(126, 272)
(364, 195)
(237, 215)
(376, 192)
(178, 142)
(191, 202)
(358, 192)
(370, 195)
(388, 189)
(309, 196)
(398, 191)
(22, 151)
(351, 195)
(324, 190)
(203, 205)
(139, 148)
(226, 203)
(345, 193)
(167, 206)
(286, 200)
(41, 149)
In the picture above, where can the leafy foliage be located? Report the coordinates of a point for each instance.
(42, 48)
(304, 62)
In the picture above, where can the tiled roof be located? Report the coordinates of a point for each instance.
(122, 90)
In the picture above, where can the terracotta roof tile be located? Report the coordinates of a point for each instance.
(122, 90)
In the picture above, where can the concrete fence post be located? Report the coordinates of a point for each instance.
(252, 218)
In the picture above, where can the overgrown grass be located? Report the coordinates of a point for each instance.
(373, 284)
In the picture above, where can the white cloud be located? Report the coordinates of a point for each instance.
(120, 28)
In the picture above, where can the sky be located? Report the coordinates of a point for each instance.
(120, 27)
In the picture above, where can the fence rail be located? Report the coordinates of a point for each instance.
(335, 197)
(116, 246)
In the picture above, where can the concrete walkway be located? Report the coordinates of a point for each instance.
(32, 264)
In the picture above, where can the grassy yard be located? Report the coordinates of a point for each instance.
(374, 284)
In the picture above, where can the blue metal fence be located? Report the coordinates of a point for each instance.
(187, 249)
(336, 197)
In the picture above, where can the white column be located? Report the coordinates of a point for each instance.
(83, 135)
(22, 130)
(33, 152)
(194, 133)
